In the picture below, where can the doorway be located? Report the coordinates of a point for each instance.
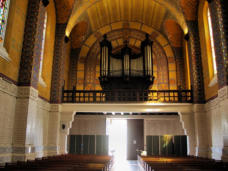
(117, 131)
(135, 138)
(125, 138)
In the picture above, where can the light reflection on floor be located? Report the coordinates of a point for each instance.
(125, 165)
(117, 130)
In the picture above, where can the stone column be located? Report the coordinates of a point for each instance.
(219, 19)
(180, 67)
(201, 130)
(65, 125)
(31, 51)
(196, 63)
(73, 67)
(53, 130)
(26, 104)
(215, 135)
(58, 64)
(56, 90)
(223, 98)
(188, 124)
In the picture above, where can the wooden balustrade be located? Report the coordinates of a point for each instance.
(120, 96)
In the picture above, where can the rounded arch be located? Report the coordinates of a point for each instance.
(90, 49)
(206, 51)
(78, 34)
(97, 36)
(174, 33)
(161, 5)
(190, 9)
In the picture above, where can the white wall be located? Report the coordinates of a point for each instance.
(8, 92)
(163, 126)
(88, 125)
(26, 131)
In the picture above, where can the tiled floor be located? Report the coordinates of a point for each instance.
(125, 165)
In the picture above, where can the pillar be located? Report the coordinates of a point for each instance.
(58, 64)
(201, 130)
(26, 105)
(196, 63)
(188, 124)
(220, 35)
(180, 67)
(56, 90)
(65, 125)
(73, 67)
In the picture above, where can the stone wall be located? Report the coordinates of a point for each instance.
(8, 92)
(27, 126)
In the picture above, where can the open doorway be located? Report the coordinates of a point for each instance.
(117, 131)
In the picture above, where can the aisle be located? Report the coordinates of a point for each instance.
(125, 165)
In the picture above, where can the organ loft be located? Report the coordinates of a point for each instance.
(113, 84)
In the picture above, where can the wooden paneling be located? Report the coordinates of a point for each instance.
(89, 144)
(160, 145)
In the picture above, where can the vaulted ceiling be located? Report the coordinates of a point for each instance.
(88, 17)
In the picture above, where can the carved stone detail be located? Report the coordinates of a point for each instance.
(8, 88)
(55, 108)
(219, 24)
(58, 64)
(196, 63)
(180, 67)
(27, 92)
(31, 51)
(43, 104)
(223, 93)
(73, 67)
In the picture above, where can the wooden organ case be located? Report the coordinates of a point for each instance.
(126, 72)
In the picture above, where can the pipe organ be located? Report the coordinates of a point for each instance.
(125, 69)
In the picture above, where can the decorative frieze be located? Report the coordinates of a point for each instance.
(223, 93)
(55, 108)
(212, 104)
(42, 104)
(7, 87)
(27, 92)
(5, 150)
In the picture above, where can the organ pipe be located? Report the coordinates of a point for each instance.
(126, 63)
(146, 48)
(105, 57)
(126, 53)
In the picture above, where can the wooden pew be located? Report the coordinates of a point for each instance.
(157, 163)
(64, 163)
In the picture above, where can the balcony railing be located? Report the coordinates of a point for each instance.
(122, 96)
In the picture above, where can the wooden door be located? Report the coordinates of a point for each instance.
(135, 138)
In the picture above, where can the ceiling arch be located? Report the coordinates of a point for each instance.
(134, 38)
(103, 12)
(190, 8)
(174, 33)
(164, 64)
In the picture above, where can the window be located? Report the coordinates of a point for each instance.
(210, 47)
(4, 9)
(42, 51)
(212, 41)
